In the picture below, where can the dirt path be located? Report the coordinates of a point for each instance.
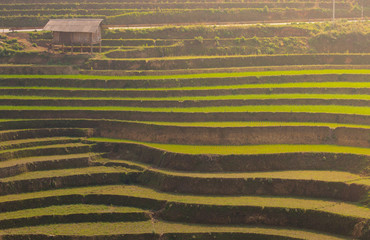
(216, 24)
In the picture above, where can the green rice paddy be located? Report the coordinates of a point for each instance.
(253, 124)
(30, 140)
(213, 124)
(67, 145)
(246, 149)
(65, 172)
(160, 227)
(219, 87)
(349, 209)
(255, 108)
(201, 98)
(18, 161)
(24, 143)
(204, 75)
(67, 209)
(332, 176)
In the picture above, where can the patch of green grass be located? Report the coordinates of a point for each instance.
(247, 149)
(253, 108)
(218, 87)
(68, 209)
(203, 98)
(203, 75)
(160, 227)
(66, 172)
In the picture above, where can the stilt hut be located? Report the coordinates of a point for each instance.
(74, 32)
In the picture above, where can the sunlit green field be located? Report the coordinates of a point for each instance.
(202, 98)
(205, 75)
(213, 124)
(256, 108)
(349, 209)
(159, 227)
(67, 209)
(247, 149)
(66, 172)
(242, 86)
(292, 191)
(252, 124)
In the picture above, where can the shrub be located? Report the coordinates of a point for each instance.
(41, 35)
(255, 40)
(270, 50)
(199, 39)
(17, 46)
(6, 52)
(217, 41)
(240, 40)
(11, 41)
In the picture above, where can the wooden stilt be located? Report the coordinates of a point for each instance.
(91, 42)
(81, 48)
(72, 49)
(100, 47)
(63, 47)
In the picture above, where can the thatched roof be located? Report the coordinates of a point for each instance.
(73, 25)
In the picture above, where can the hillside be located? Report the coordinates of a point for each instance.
(186, 132)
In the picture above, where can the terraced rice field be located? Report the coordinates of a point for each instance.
(284, 156)
(192, 132)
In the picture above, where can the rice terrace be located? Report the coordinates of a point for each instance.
(184, 119)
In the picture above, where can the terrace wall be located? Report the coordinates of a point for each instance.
(357, 137)
(222, 62)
